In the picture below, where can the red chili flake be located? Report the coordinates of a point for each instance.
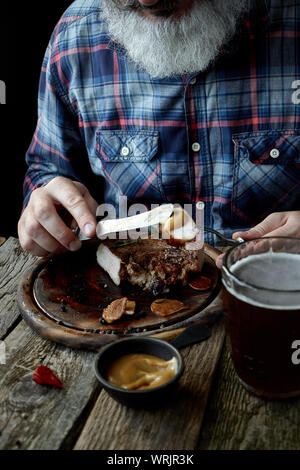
(200, 283)
(44, 376)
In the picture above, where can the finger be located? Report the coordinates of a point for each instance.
(280, 232)
(91, 202)
(219, 261)
(31, 229)
(45, 241)
(31, 247)
(73, 224)
(268, 225)
(71, 197)
(37, 250)
(93, 205)
(42, 212)
(25, 241)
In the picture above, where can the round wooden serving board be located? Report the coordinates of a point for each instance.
(62, 299)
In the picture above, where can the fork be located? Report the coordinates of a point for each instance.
(229, 241)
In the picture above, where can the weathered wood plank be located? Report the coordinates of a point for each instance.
(35, 417)
(13, 262)
(236, 420)
(112, 426)
(2, 240)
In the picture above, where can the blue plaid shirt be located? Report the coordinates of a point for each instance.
(228, 136)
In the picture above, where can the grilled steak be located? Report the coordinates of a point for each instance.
(153, 265)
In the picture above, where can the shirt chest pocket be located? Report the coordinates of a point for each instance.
(266, 174)
(129, 162)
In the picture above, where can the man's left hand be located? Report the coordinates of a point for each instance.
(278, 224)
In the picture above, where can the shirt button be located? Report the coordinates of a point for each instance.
(274, 153)
(125, 151)
(193, 81)
(196, 147)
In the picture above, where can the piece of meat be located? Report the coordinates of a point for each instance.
(115, 310)
(130, 307)
(153, 265)
(165, 307)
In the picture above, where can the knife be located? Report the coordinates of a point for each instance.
(156, 216)
(192, 335)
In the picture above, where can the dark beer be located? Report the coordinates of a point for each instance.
(262, 313)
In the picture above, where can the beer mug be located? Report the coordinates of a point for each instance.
(261, 295)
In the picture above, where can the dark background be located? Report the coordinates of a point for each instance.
(25, 30)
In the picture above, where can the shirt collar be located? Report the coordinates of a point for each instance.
(116, 46)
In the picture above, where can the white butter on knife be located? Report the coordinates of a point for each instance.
(156, 216)
(180, 226)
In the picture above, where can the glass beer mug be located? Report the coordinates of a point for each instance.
(261, 293)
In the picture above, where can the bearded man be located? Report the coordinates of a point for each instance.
(167, 101)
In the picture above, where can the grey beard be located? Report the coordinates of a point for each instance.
(167, 47)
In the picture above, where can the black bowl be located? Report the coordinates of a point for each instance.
(138, 398)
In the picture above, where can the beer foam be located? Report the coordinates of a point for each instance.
(272, 270)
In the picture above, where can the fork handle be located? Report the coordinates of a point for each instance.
(228, 241)
(211, 251)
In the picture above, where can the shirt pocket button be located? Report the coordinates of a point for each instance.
(125, 151)
(274, 153)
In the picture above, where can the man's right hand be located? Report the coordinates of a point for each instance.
(42, 230)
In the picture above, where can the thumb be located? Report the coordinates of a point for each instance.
(272, 222)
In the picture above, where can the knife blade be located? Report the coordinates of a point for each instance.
(147, 219)
(192, 335)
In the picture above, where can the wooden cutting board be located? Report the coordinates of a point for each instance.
(62, 299)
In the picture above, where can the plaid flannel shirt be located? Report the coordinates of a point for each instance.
(228, 136)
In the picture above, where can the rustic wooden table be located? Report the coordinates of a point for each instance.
(209, 410)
